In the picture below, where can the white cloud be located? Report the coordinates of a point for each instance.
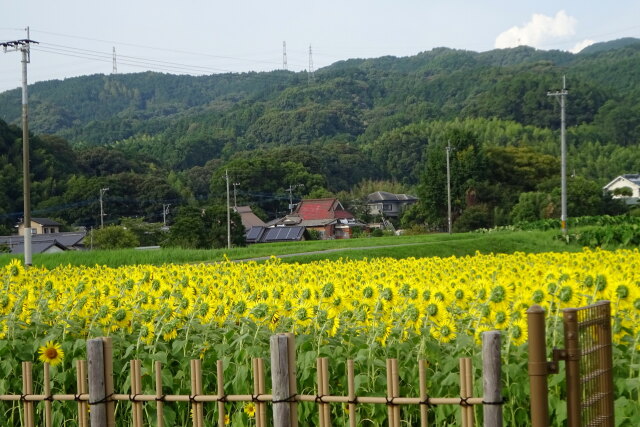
(579, 46)
(539, 31)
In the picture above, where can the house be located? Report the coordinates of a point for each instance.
(249, 219)
(41, 226)
(389, 204)
(325, 216)
(45, 243)
(629, 181)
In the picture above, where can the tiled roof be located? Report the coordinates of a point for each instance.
(313, 209)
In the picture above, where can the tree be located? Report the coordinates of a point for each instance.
(204, 228)
(114, 237)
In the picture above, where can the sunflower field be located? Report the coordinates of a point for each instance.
(368, 310)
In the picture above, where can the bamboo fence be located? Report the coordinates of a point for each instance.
(95, 390)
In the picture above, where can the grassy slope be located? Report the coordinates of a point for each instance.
(442, 245)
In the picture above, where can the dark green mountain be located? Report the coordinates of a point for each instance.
(160, 137)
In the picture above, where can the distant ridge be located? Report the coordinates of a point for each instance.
(610, 45)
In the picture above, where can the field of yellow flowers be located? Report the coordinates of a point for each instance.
(427, 308)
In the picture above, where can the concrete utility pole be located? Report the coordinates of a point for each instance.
(290, 190)
(235, 201)
(226, 177)
(102, 214)
(165, 212)
(23, 46)
(448, 188)
(562, 94)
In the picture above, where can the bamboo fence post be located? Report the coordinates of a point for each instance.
(538, 367)
(108, 380)
(81, 381)
(256, 389)
(293, 388)
(320, 393)
(352, 393)
(27, 389)
(97, 390)
(134, 405)
(492, 385)
(396, 390)
(463, 392)
(469, 379)
(390, 412)
(422, 375)
(200, 405)
(159, 402)
(47, 393)
(220, 386)
(136, 389)
(280, 380)
(325, 390)
(261, 390)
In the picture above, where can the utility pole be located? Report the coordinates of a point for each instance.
(284, 55)
(226, 177)
(102, 214)
(235, 201)
(448, 188)
(562, 94)
(165, 212)
(290, 190)
(23, 46)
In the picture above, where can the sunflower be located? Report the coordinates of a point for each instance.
(250, 409)
(51, 353)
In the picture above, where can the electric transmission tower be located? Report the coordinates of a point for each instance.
(115, 63)
(23, 46)
(284, 55)
(311, 76)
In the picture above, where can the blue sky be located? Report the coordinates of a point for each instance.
(77, 37)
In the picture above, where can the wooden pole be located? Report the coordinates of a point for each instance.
(491, 381)
(538, 367)
(134, 405)
(352, 393)
(159, 402)
(27, 388)
(280, 380)
(200, 405)
(97, 390)
(108, 380)
(256, 389)
(293, 388)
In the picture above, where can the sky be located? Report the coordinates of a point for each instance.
(198, 37)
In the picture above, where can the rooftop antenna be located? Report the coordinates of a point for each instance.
(115, 63)
(284, 55)
(311, 74)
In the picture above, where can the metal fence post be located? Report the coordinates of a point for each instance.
(538, 367)
(492, 385)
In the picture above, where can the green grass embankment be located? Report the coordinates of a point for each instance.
(442, 245)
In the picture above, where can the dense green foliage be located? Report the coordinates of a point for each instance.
(156, 139)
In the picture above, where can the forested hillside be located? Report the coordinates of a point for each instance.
(157, 138)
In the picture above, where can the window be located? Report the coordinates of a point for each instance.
(386, 207)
